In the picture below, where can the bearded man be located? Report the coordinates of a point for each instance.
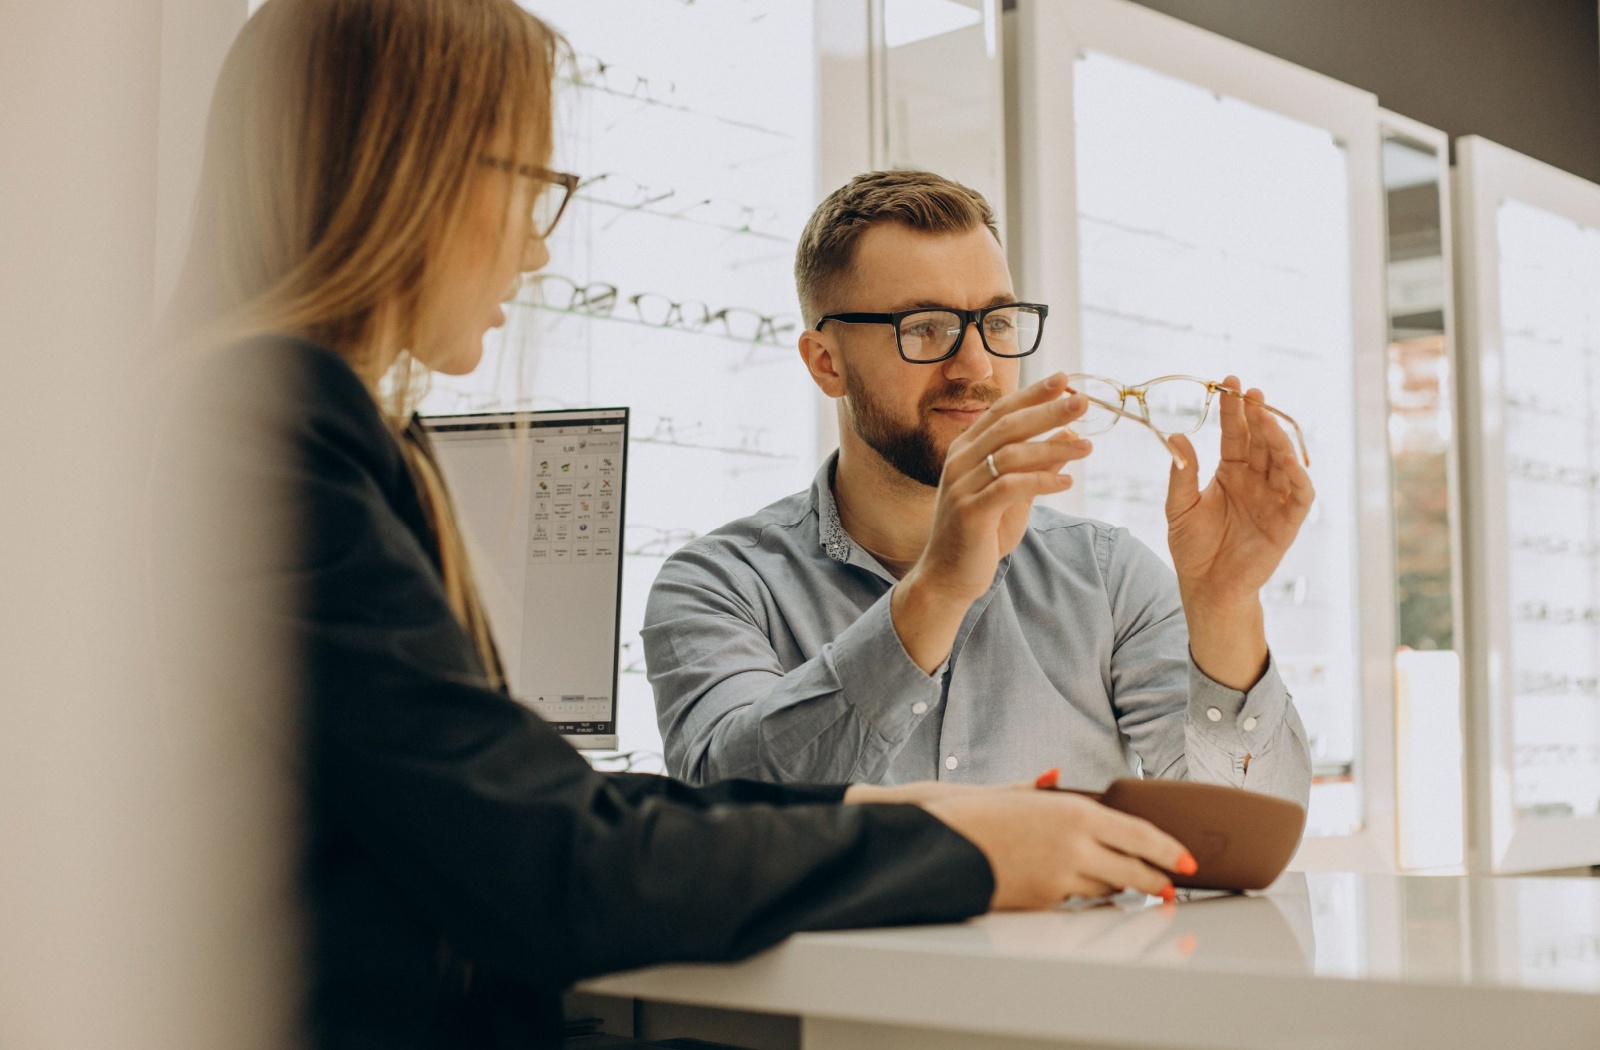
(913, 615)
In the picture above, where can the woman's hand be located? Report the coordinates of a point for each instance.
(1046, 846)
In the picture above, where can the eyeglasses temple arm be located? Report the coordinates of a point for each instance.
(1299, 436)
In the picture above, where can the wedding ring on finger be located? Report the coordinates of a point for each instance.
(994, 471)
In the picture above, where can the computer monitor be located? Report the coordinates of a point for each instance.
(541, 498)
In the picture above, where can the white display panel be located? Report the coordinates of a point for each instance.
(542, 499)
(1213, 240)
(1192, 206)
(1530, 277)
(695, 134)
(1549, 308)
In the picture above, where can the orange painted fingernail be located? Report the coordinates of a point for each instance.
(1187, 865)
(1168, 894)
(1048, 779)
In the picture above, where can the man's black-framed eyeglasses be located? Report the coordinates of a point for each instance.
(554, 193)
(928, 335)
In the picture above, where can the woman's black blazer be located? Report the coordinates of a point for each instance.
(461, 862)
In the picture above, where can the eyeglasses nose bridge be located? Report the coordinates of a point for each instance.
(1138, 395)
(961, 338)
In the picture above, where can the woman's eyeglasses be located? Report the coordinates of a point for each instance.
(554, 193)
(1167, 406)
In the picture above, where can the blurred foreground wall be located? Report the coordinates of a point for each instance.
(143, 858)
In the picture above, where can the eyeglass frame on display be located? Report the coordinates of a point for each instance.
(640, 190)
(661, 544)
(1549, 683)
(601, 69)
(768, 328)
(1561, 616)
(1212, 386)
(1545, 472)
(630, 761)
(1557, 545)
(648, 196)
(674, 307)
(602, 305)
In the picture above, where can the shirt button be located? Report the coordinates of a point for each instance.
(951, 762)
(919, 708)
(1249, 724)
(1214, 713)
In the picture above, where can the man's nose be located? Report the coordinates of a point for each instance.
(970, 361)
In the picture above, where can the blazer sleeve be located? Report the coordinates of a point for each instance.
(497, 831)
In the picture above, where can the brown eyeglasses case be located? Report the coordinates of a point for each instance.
(1241, 840)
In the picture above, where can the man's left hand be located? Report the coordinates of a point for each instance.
(1228, 539)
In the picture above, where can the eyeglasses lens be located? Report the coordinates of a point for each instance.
(553, 291)
(1012, 331)
(654, 309)
(1177, 406)
(547, 207)
(748, 325)
(1096, 419)
(928, 335)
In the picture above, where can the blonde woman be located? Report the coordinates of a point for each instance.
(375, 183)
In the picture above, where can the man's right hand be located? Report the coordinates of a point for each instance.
(1046, 846)
(979, 518)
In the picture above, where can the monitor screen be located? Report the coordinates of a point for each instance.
(540, 496)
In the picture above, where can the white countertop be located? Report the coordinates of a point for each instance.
(1320, 960)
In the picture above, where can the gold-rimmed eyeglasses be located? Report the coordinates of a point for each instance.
(553, 192)
(1167, 405)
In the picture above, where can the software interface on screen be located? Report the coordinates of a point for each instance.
(540, 497)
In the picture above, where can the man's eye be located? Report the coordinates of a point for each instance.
(921, 330)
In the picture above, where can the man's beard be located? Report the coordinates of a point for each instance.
(910, 450)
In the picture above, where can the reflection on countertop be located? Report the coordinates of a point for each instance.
(1509, 933)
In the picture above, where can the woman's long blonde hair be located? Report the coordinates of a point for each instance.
(344, 139)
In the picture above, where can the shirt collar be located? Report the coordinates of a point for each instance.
(836, 542)
(841, 547)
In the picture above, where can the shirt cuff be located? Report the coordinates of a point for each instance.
(878, 677)
(1243, 723)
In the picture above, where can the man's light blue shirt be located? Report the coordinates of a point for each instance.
(772, 654)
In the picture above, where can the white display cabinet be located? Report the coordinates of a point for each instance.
(1424, 453)
(1529, 282)
(696, 134)
(939, 93)
(1191, 206)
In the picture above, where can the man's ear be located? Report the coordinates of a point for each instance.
(820, 352)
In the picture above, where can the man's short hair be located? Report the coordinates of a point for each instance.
(918, 200)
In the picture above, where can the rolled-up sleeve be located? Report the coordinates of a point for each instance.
(1252, 740)
(729, 708)
(1181, 723)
